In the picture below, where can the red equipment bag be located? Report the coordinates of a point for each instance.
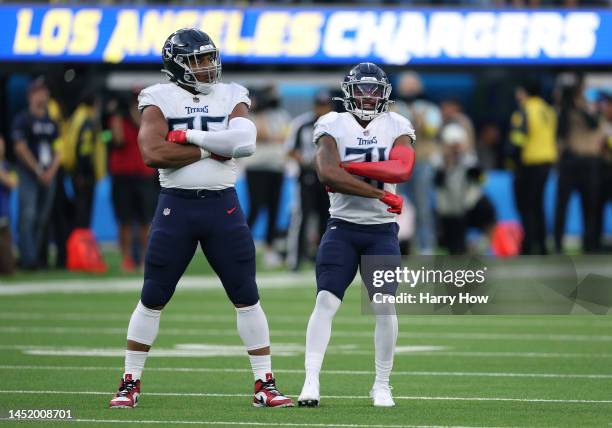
(83, 252)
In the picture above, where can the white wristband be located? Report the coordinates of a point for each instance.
(204, 153)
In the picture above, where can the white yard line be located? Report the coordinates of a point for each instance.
(338, 397)
(333, 372)
(299, 333)
(243, 423)
(471, 354)
(486, 354)
(198, 350)
(454, 321)
(116, 285)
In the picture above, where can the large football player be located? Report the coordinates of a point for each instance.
(192, 130)
(366, 141)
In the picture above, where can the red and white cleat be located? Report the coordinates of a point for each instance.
(128, 394)
(266, 394)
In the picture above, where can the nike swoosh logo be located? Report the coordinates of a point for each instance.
(231, 210)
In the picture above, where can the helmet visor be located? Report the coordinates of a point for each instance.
(368, 97)
(368, 90)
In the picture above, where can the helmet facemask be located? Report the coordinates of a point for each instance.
(366, 98)
(202, 68)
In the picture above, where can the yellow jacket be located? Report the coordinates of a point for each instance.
(55, 113)
(534, 130)
(83, 140)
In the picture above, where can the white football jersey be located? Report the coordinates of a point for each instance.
(357, 144)
(210, 112)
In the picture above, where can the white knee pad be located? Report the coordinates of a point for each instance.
(327, 304)
(253, 327)
(144, 325)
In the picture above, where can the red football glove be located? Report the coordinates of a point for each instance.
(178, 136)
(395, 202)
(328, 189)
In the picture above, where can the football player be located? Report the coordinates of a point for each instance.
(192, 130)
(366, 141)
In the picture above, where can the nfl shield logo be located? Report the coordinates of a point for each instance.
(366, 133)
(166, 211)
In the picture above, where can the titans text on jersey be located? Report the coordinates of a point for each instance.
(357, 144)
(204, 112)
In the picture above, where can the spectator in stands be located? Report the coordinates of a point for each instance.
(85, 148)
(534, 151)
(312, 199)
(33, 135)
(134, 185)
(460, 202)
(452, 112)
(61, 218)
(580, 140)
(427, 119)
(265, 169)
(7, 182)
(489, 145)
(605, 107)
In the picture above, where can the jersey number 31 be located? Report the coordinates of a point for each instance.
(368, 158)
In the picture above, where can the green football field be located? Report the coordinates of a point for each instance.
(61, 346)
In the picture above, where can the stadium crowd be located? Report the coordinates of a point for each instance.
(54, 159)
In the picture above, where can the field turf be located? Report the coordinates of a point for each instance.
(61, 344)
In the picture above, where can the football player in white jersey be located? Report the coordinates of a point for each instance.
(366, 141)
(192, 130)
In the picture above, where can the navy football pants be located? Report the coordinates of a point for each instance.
(214, 219)
(342, 246)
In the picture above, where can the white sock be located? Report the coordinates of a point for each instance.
(134, 363)
(143, 328)
(319, 332)
(385, 338)
(261, 365)
(253, 330)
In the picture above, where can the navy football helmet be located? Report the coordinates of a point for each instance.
(191, 58)
(366, 91)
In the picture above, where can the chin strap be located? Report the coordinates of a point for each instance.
(168, 74)
(395, 170)
(204, 89)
